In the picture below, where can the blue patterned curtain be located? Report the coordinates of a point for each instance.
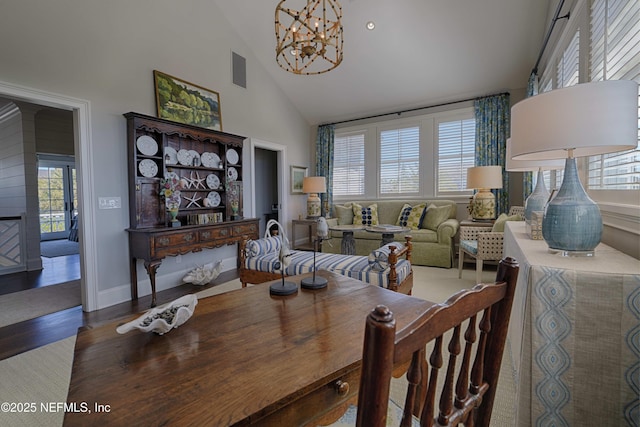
(493, 118)
(324, 163)
(527, 178)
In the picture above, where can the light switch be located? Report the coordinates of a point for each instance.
(109, 202)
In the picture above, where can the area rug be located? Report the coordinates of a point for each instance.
(24, 305)
(56, 248)
(43, 375)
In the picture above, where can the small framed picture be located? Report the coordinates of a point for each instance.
(297, 175)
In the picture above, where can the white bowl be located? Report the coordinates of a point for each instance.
(159, 319)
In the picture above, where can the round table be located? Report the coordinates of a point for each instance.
(388, 232)
(348, 246)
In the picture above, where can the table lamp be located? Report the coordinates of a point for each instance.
(540, 195)
(313, 185)
(484, 178)
(583, 120)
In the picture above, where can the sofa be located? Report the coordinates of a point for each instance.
(433, 226)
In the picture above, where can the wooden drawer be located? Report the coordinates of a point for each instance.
(175, 239)
(213, 234)
(249, 229)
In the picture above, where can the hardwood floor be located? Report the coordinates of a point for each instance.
(34, 333)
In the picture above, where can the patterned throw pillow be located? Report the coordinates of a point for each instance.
(365, 216)
(404, 215)
(434, 216)
(410, 216)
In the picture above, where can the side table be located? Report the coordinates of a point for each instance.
(311, 225)
(388, 233)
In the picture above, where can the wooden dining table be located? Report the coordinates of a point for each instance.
(244, 357)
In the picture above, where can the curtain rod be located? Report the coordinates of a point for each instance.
(415, 109)
(546, 38)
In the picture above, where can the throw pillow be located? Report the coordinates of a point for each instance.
(379, 258)
(365, 216)
(344, 213)
(499, 224)
(410, 216)
(434, 216)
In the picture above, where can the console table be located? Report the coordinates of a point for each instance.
(153, 244)
(574, 334)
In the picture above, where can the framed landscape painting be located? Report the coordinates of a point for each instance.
(184, 102)
(297, 175)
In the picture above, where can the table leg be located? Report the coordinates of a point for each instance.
(386, 238)
(133, 273)
(152, 267)
(348, 246)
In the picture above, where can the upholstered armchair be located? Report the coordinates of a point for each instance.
(483, 243)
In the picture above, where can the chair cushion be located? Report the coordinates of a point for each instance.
(499, 224)
(379, 258)
(365, 216)
(356, 267)
(410, 216)
(434, 216)
(471, 246)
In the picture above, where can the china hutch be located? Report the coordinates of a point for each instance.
(190, 174)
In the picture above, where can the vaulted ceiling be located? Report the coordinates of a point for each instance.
(422, 52)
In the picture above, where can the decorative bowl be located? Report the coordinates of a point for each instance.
(164, 318)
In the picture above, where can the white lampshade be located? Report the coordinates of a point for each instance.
(530, 165)
(484, 177)
(588, 118)
(314, 184)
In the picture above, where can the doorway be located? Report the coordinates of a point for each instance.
(57, 196)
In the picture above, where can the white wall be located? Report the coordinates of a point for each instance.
(105, 52)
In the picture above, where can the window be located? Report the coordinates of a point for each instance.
(400, 161)
(348, 165)
(456, 153)
(615, 55)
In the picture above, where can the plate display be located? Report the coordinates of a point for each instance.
(148, 168)
(210, 160)
(184, 157)
(195, 157)
(213, 182)
(214, 199)
(232, 156)
(147, 145)
(232, 174)
(170, 156)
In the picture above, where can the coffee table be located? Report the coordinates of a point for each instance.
(348, 245)
(243, 358)
(388, 232)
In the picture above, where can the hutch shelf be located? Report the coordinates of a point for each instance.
(209, 165)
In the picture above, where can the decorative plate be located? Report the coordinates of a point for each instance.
(210, 160)
(147, 145)
(184, 157)
(195, 158)
(232, 156)
(170, 156)
(214, 199)
(232, 173)
(213, 182)
(164, 318)
(148, 168)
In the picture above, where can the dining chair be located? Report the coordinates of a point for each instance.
(483, 243)
(480, 316)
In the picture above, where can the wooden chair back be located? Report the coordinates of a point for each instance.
(481, 315)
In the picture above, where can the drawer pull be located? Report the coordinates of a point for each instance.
(187, 237)
(224, 232)
(206, 234)
(164, 241)
(341, 387)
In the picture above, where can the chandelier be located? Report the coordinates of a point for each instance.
(309, 40)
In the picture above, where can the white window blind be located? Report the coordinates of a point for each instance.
(348, 165)
(456, 153)
(569, 65)
(615, 55)
(400, 160)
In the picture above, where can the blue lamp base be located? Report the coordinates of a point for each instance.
(537, 199)
(572, 224)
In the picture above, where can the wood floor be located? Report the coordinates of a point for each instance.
(34, 333)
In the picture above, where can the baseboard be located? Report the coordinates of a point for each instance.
(120, 294)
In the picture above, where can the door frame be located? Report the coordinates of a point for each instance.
(281, 151)
(83, 147)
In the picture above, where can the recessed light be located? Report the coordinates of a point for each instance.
(371, 25)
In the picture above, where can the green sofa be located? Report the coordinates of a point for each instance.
(432, 246)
